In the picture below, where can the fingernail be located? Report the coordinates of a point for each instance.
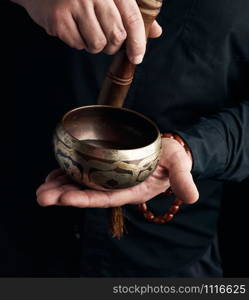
(137, 59)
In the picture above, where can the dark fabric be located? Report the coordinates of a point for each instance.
(198, 68)
(209, 265)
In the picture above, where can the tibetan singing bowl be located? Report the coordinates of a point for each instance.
(105, 147)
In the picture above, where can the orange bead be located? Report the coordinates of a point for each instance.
(168, 135)
(142, 207)
(168, 217)
(179, 140)
(149, 216)
(174, 209)
(159, 220)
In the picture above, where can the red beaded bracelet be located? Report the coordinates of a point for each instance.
(169, 215)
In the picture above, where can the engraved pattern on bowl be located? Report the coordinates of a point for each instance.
(103, 168)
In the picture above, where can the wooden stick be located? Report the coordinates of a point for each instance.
(116, 86)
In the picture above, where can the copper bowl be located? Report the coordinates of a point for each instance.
(105, 147)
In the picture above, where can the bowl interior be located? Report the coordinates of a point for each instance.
(110, 127)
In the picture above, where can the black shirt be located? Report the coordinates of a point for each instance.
(193, 81)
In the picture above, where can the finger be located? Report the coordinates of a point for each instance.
(52, 196)
(152, 186)
(68, 32)
(155, 30)
(91, 198)
(90, 28)
(112, 25)
(184, 187)
(134, 26)
(52, 184)
(54, 174)
(157, 182)
(182, 182)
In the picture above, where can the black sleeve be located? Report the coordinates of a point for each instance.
(220, 144)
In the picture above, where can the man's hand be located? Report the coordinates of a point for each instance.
(94, 25)
(174, 169)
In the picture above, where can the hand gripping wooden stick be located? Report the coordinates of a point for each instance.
(120, 74)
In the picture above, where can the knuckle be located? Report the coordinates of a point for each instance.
(118, 37)
(96, 46)
(133, 19)
(57, 18)
(66, 199)
(43, 199)
(57, 13)
(76, 4)
(108, 201)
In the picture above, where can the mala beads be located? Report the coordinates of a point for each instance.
(169, 215)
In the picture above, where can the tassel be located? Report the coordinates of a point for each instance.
(117, 222)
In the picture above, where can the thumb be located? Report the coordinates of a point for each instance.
(155, 30)
(182, 182)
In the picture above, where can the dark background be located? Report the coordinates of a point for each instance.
(35, 92)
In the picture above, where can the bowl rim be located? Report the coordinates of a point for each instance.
(149, 149)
